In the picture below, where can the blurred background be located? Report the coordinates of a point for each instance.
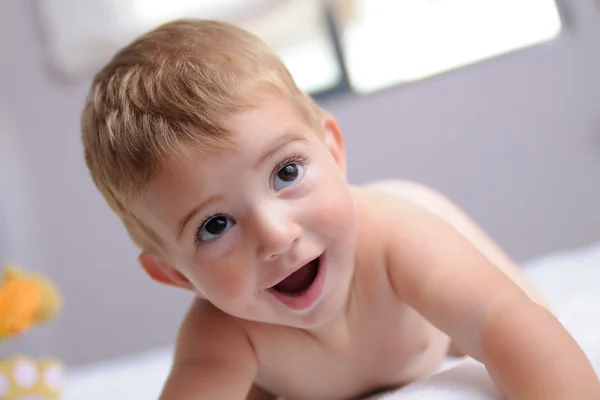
(494, 102)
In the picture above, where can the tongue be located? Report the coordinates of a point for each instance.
(300, 280)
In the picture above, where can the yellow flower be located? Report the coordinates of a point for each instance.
(19, 302)
(25, 300)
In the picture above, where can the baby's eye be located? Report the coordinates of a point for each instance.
(288, 175)
(213, 228)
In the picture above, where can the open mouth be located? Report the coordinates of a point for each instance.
(300, 281)
(304, 287)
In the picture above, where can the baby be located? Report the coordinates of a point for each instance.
(232, 181)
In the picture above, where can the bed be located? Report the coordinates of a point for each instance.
(569, 279)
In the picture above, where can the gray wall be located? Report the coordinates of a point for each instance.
(514, 140)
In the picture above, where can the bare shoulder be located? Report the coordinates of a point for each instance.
(380, 200)
(394, 214)
(444, 214)
(413, 221)
(378, 211)
(404, 209)
(206, 330)
(213, 358)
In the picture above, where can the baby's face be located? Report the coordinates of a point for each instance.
(265, 230)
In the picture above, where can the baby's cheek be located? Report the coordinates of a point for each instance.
(227, 284)
(234, 286)
(219, 279)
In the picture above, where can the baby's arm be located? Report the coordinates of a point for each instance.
(443, 276)
(213, 358)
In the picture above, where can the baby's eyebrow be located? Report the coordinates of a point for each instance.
(280, 142)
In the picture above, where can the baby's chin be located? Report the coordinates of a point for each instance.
(326, 312)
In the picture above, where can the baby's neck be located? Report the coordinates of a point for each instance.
(337, 330)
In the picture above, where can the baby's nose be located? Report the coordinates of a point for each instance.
(277, 235)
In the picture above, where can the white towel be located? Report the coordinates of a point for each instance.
(466, 379)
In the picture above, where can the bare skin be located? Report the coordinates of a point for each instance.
(363, 352)
(406, 272)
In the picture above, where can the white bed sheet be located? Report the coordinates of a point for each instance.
(570, 281)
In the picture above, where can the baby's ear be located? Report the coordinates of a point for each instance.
(334, 141)
(163, 272)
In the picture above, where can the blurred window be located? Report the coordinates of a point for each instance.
(330, 46)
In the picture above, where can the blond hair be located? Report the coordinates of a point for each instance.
(166, 94)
